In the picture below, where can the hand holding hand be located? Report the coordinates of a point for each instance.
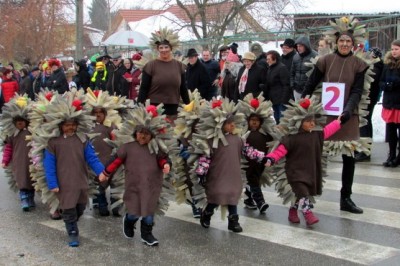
(55, 190)
(269, 162)
(166, 168)
(344, 117)
(103, 177)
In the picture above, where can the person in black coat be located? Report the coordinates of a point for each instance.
(367, 130)
(57, 80)
(116, 83)
(197, 76)
(251, 78)
(288, 53)
(277, 87)
(82, 79)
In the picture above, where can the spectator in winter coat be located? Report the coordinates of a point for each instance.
(229, 75)
(116, 83)
(16, 74)
(132, 76)
(213, 70)
(299, 69)
(99, 78)
(277, 87)
(9, 86)
(26, 82)
(288, 53)
(57, 80)
(261, 60)
(82, 79)
(251, 78)
(197, 76)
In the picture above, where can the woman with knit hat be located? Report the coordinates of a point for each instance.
(390, 83)
(229, 74)
(251, 78)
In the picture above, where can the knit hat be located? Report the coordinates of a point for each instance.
(54, 62)
(232, 57)
(376, 51)
(136, 57)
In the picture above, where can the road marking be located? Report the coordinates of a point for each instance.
(301, 238)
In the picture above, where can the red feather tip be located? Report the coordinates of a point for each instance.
(151, 109)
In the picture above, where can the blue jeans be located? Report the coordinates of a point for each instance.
(147, 219)
(278, 110)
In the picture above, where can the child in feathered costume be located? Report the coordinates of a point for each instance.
(143, 154)
(15, 131)
(303, 151)
(219, 169)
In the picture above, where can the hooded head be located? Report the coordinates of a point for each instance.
(256, 49)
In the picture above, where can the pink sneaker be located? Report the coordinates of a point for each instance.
(293, 217)
(310, 218)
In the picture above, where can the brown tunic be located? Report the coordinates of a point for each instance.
(143, 179)
(343, 70)
(20, 160)
(72, 171)
(102, 149)
(303, 162)
(165, 81)
(224, 183)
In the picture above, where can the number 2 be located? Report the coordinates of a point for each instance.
(329, 105)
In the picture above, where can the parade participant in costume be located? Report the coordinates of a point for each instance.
(219, 169)
(185, 124)
(143, 153)
(302, 148)
(390, 84)
(260, 126)
(163, 79)
(66, 156)
(14, 124)
(342, 66)
(105, 108)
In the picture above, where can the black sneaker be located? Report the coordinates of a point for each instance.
(249, 204)
(128, 227)
(196, 212)
(205, 218)
(362, 157)
(263, 208)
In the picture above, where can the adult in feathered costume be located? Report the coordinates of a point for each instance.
(343, 67)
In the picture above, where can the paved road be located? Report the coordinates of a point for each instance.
(340, 238)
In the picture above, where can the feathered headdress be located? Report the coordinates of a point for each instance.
(349, 26)
(18, 106)
(164, 36)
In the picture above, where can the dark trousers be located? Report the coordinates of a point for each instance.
(278, 110)
(72, 215)
(232, 209)
(392, 137)
(347, 176)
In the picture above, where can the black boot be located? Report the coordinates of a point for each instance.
(259, 199)
(115, 210)
(73, 233)
(362, 157)
(233, 223)
(31, 198)
(147, 235)
(128, 227)
(346, 204)
(249, 202)
(23, 195)
(205, 218)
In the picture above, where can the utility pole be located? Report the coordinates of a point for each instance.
(79, 30)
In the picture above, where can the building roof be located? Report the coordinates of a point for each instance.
(131, 15)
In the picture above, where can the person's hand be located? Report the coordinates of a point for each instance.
(344, 117)
(269, 162)
(129, 79)
(3, 165)
(55, 190)
(166, 168)
(215, 82)
(103, 177)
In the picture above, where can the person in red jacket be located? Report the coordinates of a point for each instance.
(9, 86)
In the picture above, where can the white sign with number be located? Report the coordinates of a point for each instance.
(333, 98)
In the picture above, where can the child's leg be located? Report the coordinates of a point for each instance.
(233, 219)
(259, 199)
(115, 210)
(23, 195)
(306, 206)
(146, 230)
(129, 224)
(102, 201)
(80, 208)
(206, 214)
(31, 198)
(70, 218)
(293, 217)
